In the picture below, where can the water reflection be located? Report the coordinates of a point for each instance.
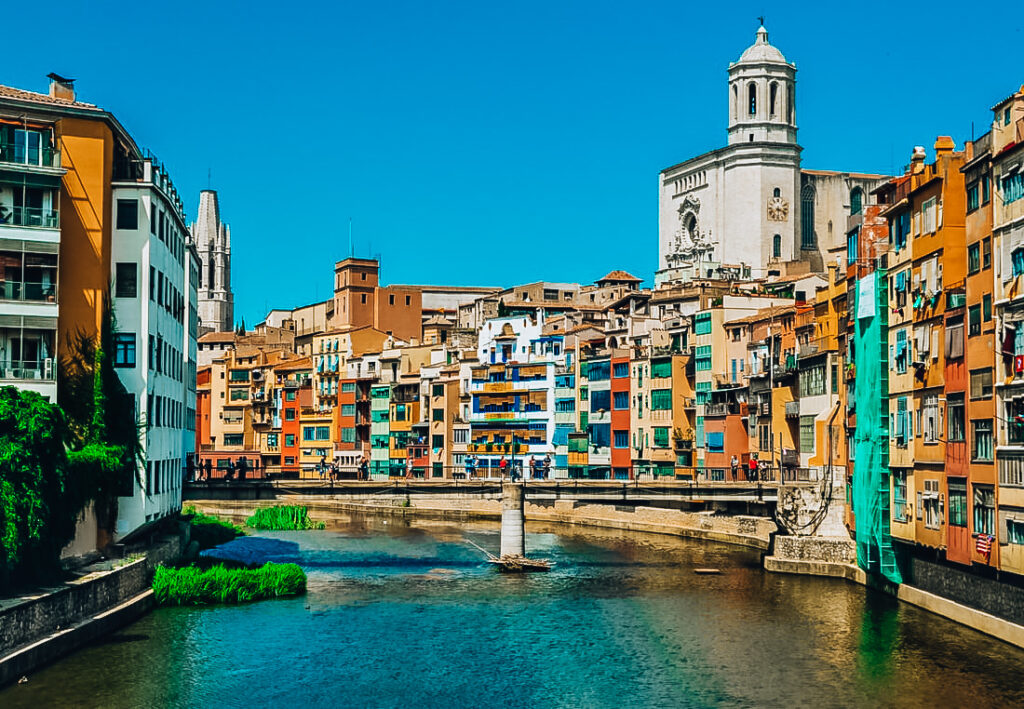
(409, 614)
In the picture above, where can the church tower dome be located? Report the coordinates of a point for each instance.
(762, 95)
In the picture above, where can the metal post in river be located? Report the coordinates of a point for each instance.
(513, 538)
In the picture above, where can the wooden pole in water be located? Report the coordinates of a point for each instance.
(513, 538)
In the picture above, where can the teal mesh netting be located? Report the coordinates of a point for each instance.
(871, 460)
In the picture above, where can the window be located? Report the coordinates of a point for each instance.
(437, 415)
(930, 504)
(289, 440)
(391, 299)
(289, 414)
(437, 390)
(773, 91)
(973, 258)
(460, 435)
(1013, 187)
(437, 441)
(856, 199)
(981, 383)
(597, 371)
(715, 441)
(661, 436)
(972, 197)
(702, 321)
(348, 387)
(986, 252)
(620, 370)
(128, 214)
(289, 460)
(957, 496)
(900, 353)
(126, 282)
(1017, 257)
(124, 349)
(955, 412)
(955, 337)
(408, 300)
(986, 190)
(272, 440)
(984, 509)
(289, 395)
(899, 495)
(1014, 530)
(752, 98)
(239, 395)
(661, 399)
(974, 320)
(899, 228)
(362, 298)
(928, 216)
(662, 369)
(239, 375)
(982, 440)
(807, 238)
(930, 414)
(812, 381)
(308, 433)
(807, 434)
(348, 409)
(621, 400)
(621, 439)
(600, 400)
(234, 439)
(565, 405)
(986, 307)
(348, 435)
(777, 246)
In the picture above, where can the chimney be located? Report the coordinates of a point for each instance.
(917, 160)
(61, 88)
(944, 145)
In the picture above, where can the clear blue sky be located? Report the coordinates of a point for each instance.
(479, 143)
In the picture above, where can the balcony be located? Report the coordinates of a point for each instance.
(27, 370)
(29, 217)
(29, 149)
(30, 292)
(809, 349)
(722, 408)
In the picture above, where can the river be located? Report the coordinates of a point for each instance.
(407, 615)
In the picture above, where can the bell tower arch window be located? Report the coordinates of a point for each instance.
(807, 239)
(777, 246)
(752, 98)
(735, 102)
(773, 99)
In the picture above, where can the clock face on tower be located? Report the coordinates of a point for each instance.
(778, 209)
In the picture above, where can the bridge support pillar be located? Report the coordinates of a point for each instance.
(513, 538)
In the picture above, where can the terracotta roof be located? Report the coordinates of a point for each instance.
(763, 314)
(304, 363)
(218, 337)
(620, 276)
(32, 97)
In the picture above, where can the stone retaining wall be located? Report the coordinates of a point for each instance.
(38, 629)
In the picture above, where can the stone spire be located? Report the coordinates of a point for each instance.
(213, 241)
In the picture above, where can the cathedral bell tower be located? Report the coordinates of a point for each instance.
(762, 95)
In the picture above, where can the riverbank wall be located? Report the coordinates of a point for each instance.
(748, 531)
(39, 628)
(953, 594)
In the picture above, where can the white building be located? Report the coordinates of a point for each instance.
(155, 272)
(212, 238)
(747, 209)
(30, 181)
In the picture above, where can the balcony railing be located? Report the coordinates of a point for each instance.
(20, 154)
(20, 290)
(31, 217)
(27, 370)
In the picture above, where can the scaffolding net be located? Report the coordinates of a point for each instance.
(870, 495)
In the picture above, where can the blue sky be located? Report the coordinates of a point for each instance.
(481, 143)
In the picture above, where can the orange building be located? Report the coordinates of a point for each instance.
(360, 301)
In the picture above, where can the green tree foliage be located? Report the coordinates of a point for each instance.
(209, 531)
(40, 498)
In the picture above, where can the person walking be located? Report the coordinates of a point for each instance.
(208, 468)
(502, 467)
(752, 469)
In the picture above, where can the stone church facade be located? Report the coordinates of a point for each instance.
(212, 238)
(748, 210)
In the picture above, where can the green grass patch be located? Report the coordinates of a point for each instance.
(210, 531)
(283, 517)
(192, 586)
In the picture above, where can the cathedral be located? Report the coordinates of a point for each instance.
(748, 210)
(212, 238)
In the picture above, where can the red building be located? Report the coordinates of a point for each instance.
(621, 459)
